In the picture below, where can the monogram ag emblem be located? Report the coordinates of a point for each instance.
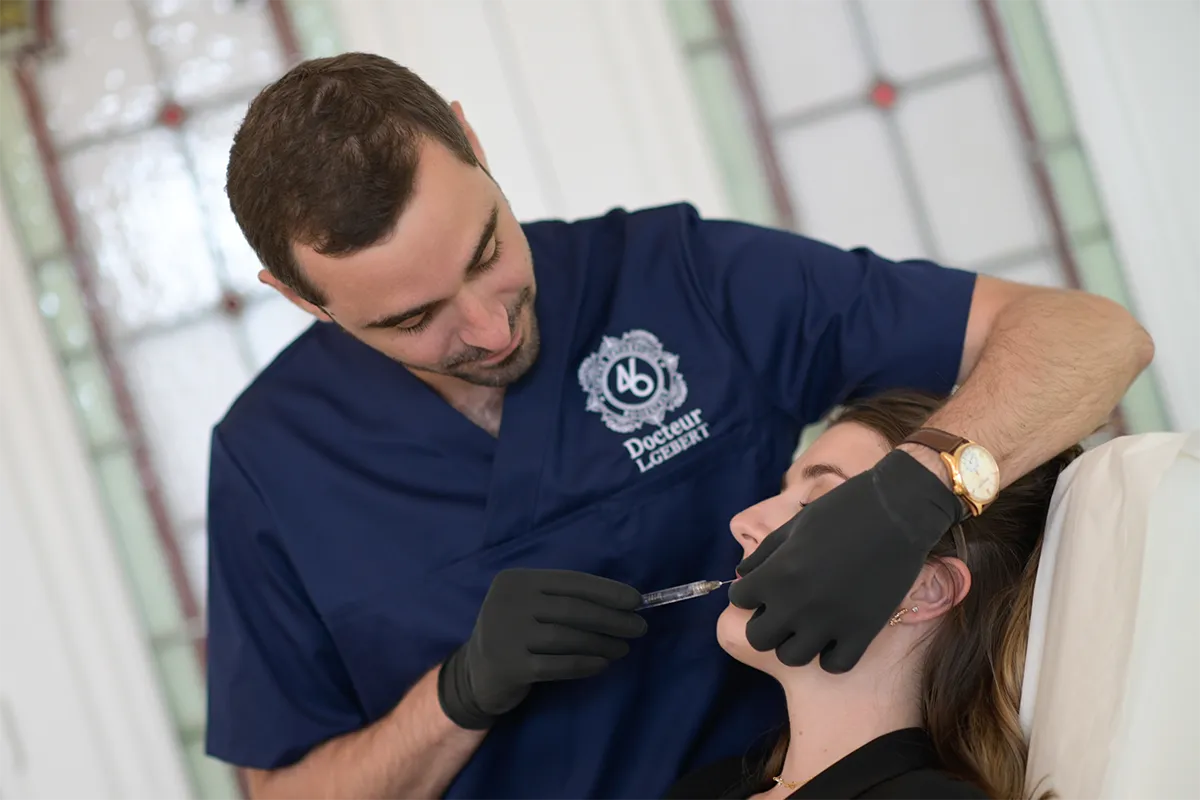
(632, 381)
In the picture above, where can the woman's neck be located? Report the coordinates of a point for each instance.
(831, 716)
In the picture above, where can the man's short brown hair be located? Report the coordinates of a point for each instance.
(327, 157)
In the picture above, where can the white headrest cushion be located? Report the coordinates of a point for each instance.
(1111, 698)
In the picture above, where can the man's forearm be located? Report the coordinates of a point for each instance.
(415, 751)
(1050, 373)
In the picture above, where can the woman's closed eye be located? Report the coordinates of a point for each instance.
(822, 487)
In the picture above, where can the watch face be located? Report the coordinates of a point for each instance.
(979, 472)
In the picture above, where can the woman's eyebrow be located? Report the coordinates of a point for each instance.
(814, 471)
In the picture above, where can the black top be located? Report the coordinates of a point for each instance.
(896, 766)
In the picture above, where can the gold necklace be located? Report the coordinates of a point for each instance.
(791, 785)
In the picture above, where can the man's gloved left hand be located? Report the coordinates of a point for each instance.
(827, 581)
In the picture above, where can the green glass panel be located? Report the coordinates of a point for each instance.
(315, 25)
(731, 137)
(693, 20)
(141, 550)
(94, 400)
(1100, 269)
(1100, 272)
(30, 203)
(1040, 78)
(1143, 406)
(1074, 189)
(61, 303)
(212, 779)
(184, 682)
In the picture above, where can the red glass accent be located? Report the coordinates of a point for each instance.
(883, 94)
(172, 115)
(232, 303)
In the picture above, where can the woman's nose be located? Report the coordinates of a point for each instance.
(749, 528)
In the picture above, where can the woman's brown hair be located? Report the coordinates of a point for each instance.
(971, 686)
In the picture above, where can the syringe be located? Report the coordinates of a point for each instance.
(676, 593)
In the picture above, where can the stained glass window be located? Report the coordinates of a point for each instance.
(115, 124)
(920, 129)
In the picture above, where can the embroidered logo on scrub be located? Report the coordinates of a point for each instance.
(631, 382)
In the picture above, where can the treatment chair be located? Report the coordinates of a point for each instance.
(1111, 700)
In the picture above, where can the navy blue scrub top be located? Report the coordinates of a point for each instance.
(356, 520)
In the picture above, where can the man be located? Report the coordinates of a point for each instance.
(432, 515)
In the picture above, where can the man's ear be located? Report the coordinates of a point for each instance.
(299, 302)
(941, 585)
(471, 136)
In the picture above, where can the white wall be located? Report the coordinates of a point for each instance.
(1132, 68)
(581, 106)
(80, 710)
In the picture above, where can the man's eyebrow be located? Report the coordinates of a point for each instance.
(489, 230)
(400, 317)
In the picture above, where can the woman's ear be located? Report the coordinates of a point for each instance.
(941, 585)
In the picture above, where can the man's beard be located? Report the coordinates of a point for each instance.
(465, 365)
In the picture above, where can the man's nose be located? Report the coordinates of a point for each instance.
(485, 323)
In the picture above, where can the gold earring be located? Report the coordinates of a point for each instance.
(895, 620)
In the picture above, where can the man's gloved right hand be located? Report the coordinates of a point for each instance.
(536, 625)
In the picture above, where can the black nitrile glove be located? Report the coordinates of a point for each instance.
(536, 625)
(828, 581)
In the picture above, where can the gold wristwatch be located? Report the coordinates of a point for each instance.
(974, 473)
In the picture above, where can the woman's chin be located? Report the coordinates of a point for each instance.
(731, 635)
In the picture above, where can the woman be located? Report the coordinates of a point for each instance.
(931, 709)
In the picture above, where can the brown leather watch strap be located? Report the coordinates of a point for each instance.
(938, 440)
